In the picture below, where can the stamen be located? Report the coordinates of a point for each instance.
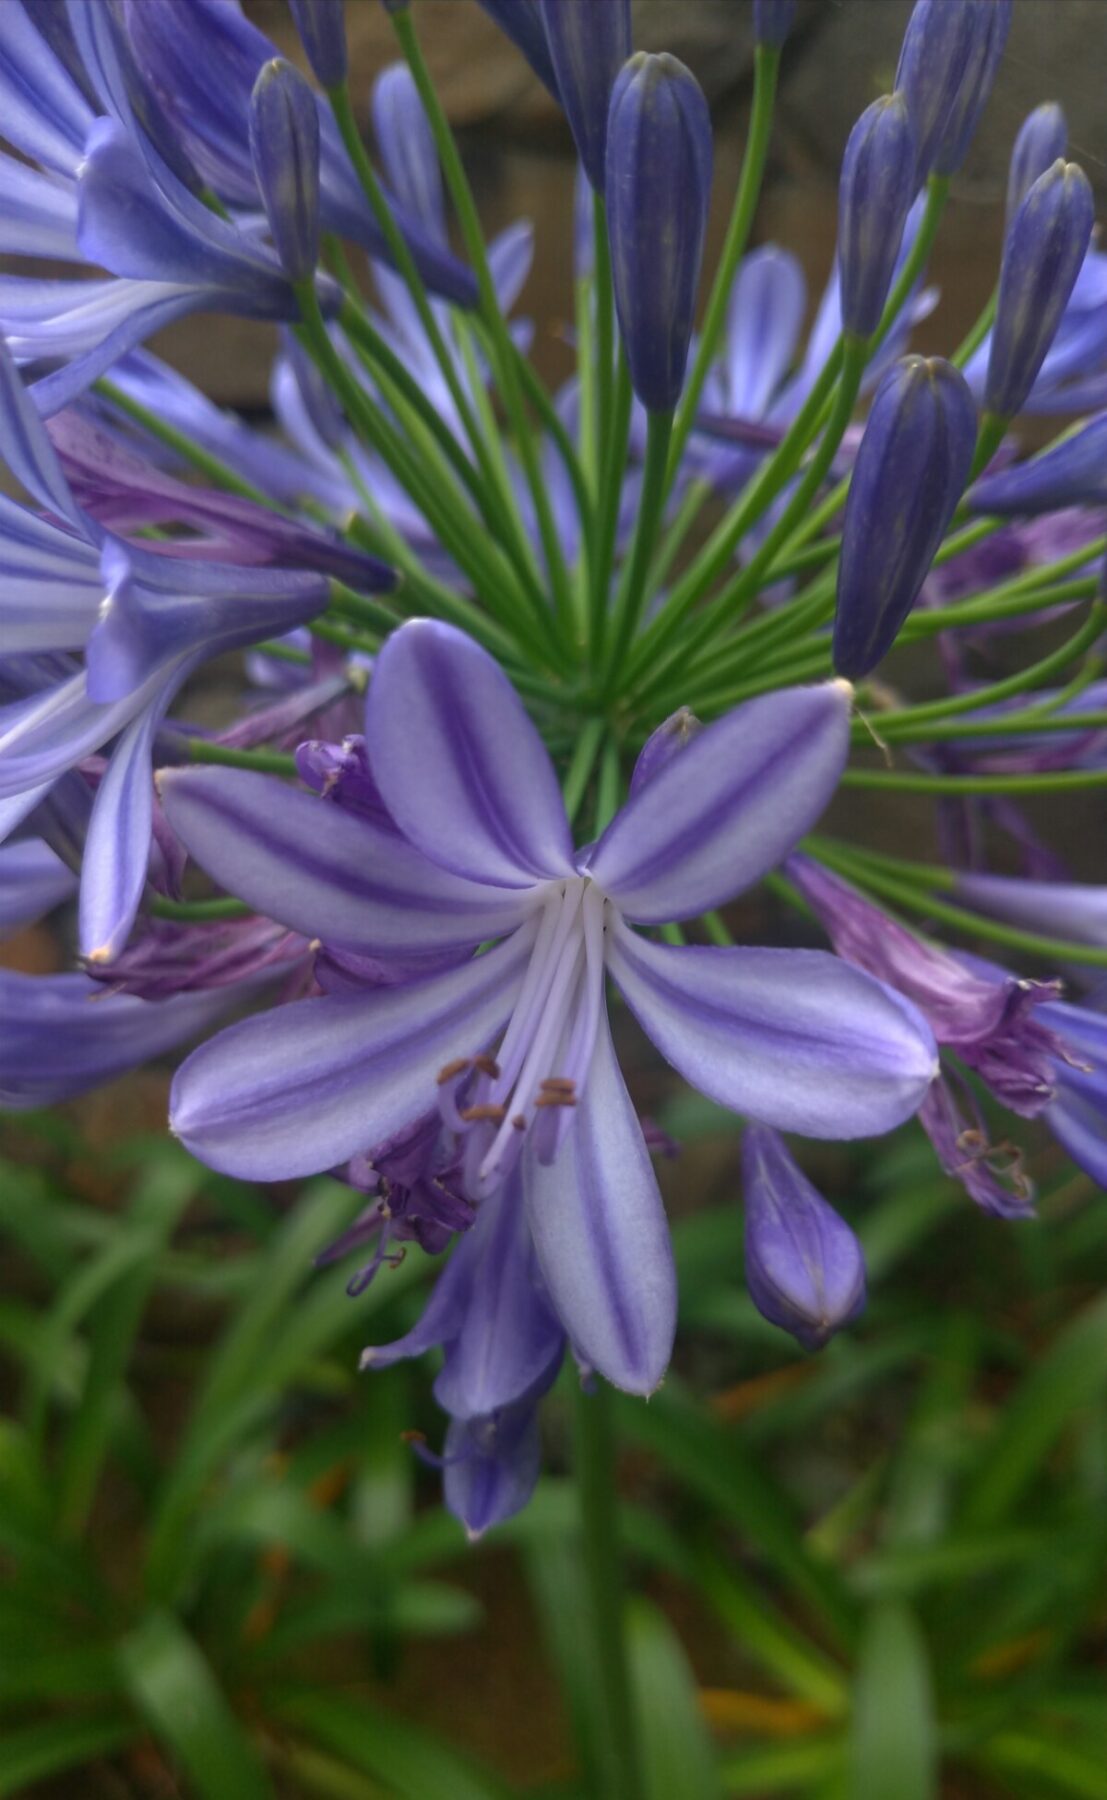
(487, 1066)
(558, 1084)
(486, 1110)
(555, 1100)
(453, 1069)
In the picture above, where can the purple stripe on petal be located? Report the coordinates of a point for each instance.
(793, 1038)
(462, 770)
(728, 808)
(324, 872)
(602, 1237)
(310, 1085)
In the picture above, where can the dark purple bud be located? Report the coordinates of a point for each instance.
(322, 28)
(804, 1267)
(1043, 137)
(1045, 246)
(284, 143)
(673, 735)
(1070, 473)
(772, 21)
(991, 21)
(936, 47)
(521, 21)
(910, 473)
(874, 196)
(588, 46)
(407, 148)
(658, 185)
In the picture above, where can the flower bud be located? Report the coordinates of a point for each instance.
(991, 21)
(658, 184)
(874, 197)
(772, 21)
(805, 1269)
(521, 21)
(672, 736)
(407, 149)
(910, 472)
(588, 46)
(1044, 248)
(284, 143)
(1070, 473)
(936, 46)
(1043, 137)
(322, 28)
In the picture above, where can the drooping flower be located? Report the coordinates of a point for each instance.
(478, 849)
(805, 1269)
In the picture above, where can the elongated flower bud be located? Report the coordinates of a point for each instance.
(772, 21)
(284, 143)
(932, 62)
(874, 197)
(910, 472)
(991, 21)
(672, 736)
(1045, 246)
(322, 28)
(1071, 473)
(658, 185)
(407, 149)
(805, 1269)
(588, 46)
(1043, 137)
(521, 21)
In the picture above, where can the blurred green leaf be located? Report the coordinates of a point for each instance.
(678, 1756)
(784, 1768)
(771, 1639)
(405, 1757)
(174, 1689)
(894, 1749)
(557, 1581)
(1053, 1766)
(30, 1753)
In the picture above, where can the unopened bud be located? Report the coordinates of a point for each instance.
(1045, 246)
(658, 184)
(874, 197)
(284, 143)
(521, 21)
(772, 21)
(1043, 137)
(672, 736)
(932, 62)
(805, 1269)
(322, 28)
(911, 469)
(588, 45)
(991, 22)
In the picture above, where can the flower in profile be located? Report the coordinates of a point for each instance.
(477, 851)
(874, 197)
(1043, 251)
(804, 1267)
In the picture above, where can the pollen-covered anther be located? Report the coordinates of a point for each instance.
(487, 1066)
(495, 1115)
(559, 1098)
(453, 1069)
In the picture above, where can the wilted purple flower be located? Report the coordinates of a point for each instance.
(407, 148)
(322, 28)
(1043, 137)
(874, 196)
(1043, 250)
(805, 1269)
(990, 22)
(415, 1181)
(588, 45)
(284, 143)
(772, 21)
(932, 66)
(909, 474)
(1072, 472)
(658, 186)
(479, 849)
(169, 958)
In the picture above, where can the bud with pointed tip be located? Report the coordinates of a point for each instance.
(588, 45)
(772, 21)
(1043, 137)
(874, 197)
(284, 143)
(991, 22)
(910, 472)
(322, 28)
(673, 735)
(805, 1269)
(1045, 246)
(658, 185)
(936, 46)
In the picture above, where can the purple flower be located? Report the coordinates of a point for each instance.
(521, 21)
(804, 1267)
(990, 22)
(479, 850)
(1063, 909)
(588, 45)
(33, 880)
(874, 197)
(322, 28)
(407, 149)
(1043, 251)
(284, 143)
(1043, 137)
(932, 66)
(1072, 472)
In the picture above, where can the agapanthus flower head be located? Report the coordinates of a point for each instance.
(910, 472)
(1043, 250)
(875, 191)
(932, 66)
(322, 28)
(659, 158)
(284, 143)
(1042, 137)
(588, 45)
(805, 1269)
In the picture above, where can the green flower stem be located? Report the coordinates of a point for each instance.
(585, 751)
(860, 869)
(609, 787)
(696, 493)
(1067, 781)
(196, 912)
(362, 609)
(594, 1442)
(976, 335)
(588, 425)
(604, 332)
(217, 471)
(708, 701)
(265, 762)
(607, 512)
(988, 439)
(503, 349)
(284, 653)
(1011, 724)
(632, 586)
(766, 66)
(543, 405)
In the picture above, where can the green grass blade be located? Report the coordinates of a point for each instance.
(894, 1747)
(174, 1689)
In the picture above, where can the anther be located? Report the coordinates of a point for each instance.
(494, 1114)
(558, 1084)
(560, 1099)
(453, 1069)
(487, 1066)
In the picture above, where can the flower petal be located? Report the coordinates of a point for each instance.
(602, 1238)
(306, 1087)
(462, 770)
(728, 807)
(794, 1038)
(326, 872)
